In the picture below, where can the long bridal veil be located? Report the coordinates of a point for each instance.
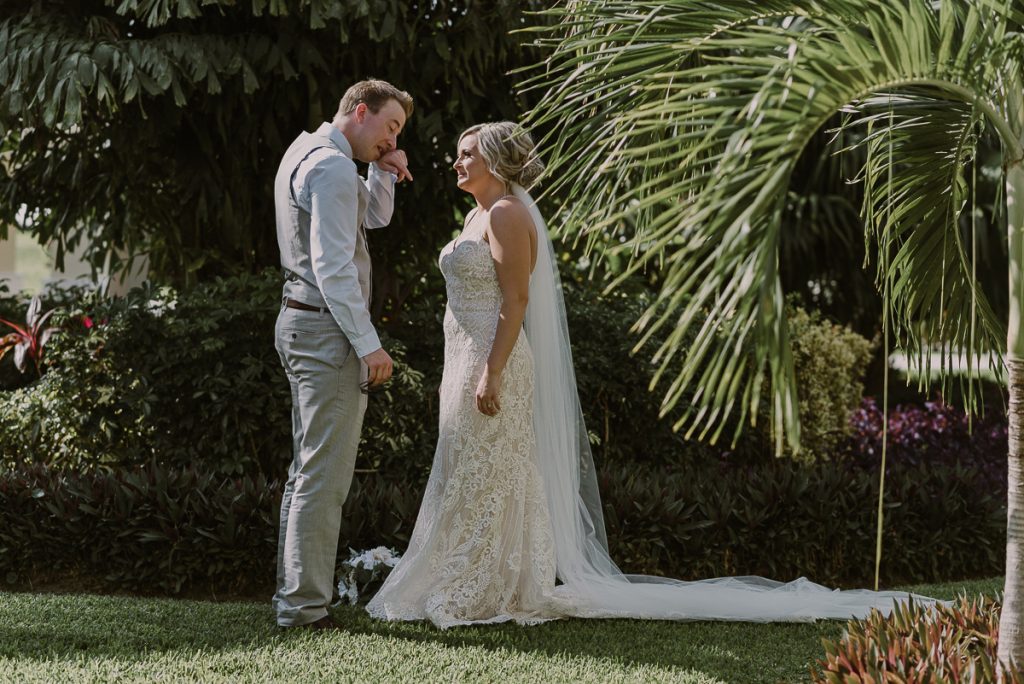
(590, 583)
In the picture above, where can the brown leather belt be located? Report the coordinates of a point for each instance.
(292, 304)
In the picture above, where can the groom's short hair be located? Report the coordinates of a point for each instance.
(374, 94)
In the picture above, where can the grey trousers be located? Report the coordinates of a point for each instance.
(327, 414)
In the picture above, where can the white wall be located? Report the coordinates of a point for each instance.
(26, 265)
(7, 261)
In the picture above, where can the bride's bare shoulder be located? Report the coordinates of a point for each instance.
(509, 216)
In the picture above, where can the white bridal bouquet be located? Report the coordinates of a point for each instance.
(363, 570)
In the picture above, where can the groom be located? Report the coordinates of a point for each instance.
(327, 344)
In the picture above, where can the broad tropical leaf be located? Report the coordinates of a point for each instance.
(28, 341)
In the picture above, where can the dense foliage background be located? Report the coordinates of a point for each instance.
(155, 126)
(149, 454)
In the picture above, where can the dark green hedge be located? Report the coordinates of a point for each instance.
(783, 520)
(163, 530)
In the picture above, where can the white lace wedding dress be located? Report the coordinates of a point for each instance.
(512, 500)
(482, 549)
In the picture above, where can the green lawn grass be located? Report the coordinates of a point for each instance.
(90, 638)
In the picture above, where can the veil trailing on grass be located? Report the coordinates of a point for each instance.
(591, 584)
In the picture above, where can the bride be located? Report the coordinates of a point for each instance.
(510, 527)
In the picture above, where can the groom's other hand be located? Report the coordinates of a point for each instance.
(394, 161)
(380, 367)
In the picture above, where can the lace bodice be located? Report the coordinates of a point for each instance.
(469, 276)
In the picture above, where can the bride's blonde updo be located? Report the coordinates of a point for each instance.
(508, 151)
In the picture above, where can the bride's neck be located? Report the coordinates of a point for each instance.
(486, 198)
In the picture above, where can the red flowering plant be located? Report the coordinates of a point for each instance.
(28, 341)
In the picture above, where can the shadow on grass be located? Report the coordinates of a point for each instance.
(61, 628)
(732, 652)
(64, 628)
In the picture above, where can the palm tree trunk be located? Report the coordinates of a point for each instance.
(1011, 625)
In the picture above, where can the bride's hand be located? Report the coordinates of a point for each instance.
(487, 391)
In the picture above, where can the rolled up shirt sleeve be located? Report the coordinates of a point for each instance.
(333, 201)
(382, 197)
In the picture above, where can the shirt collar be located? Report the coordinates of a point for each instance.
(327, 130)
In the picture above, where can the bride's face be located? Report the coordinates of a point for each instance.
(470, 168)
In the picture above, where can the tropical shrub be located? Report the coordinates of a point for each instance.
(193, 377)
(157, 529)
(27, 339)
(783, 520)
(621, 414)
(830, 362)
(932, 433)
(163, 529)
(12, 307)
(188, 378)
(148, 529)
(940, 645)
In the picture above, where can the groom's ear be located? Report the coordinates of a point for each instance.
(360, 112)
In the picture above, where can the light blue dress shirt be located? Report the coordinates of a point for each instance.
(327, 186)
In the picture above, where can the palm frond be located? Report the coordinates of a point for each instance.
(918, 152)
(677, 125)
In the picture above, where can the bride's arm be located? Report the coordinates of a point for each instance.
(509, 237)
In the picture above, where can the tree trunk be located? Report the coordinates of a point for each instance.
(1011, 625)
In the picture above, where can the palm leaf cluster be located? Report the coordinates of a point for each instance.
(677, 126)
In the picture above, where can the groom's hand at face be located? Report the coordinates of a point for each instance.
(394, 161)
(380, 366)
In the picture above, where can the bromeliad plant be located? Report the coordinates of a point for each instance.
(677, 125)
(945, 644)
(28, 341)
